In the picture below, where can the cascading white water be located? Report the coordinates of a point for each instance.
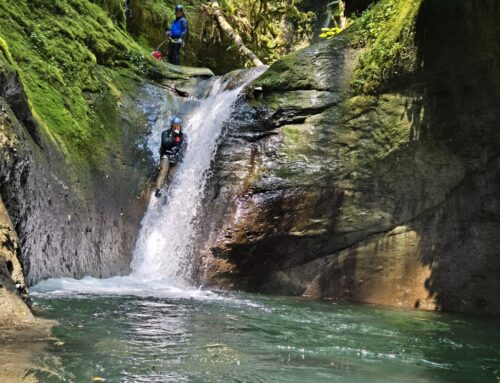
(164, 244)
(162, 258)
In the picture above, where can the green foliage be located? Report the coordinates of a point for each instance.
(374, 22)
(4, 50)
(156, 12)
(67, 53)
(386, 32)
(270, 27)
(335, 14)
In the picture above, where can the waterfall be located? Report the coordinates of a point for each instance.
(164, 245)
(163, 255)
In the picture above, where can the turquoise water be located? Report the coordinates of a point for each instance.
(195, 336)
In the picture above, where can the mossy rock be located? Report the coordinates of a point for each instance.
(69, 54)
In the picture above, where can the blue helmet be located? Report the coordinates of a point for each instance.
(179, 7)
(176, 121)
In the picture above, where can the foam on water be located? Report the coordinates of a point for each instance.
(126, 286)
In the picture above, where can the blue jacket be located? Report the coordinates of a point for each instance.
(179, 28)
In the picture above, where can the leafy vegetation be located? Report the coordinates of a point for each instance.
(114, 8)
(335, 12)
(385, 31)
(329, 33)
(272, 27)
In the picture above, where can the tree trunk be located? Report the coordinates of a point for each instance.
(224, 25)
(343, 15)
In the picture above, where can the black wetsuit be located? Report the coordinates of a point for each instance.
(173, 145)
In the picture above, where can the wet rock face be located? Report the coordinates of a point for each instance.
(70, 221)
(369, 198)
(14, 298)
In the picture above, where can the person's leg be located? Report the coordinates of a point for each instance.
(171, 53)
(164, 169)
(177, 54)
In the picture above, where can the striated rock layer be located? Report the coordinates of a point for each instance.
(385, 191)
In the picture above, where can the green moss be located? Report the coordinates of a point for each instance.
(157, 12)
(114, 8)
(4, 50)
(68, 53)
(344, 141)
(148, 19)
(386, 32)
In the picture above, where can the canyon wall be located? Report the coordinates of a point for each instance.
(365, 168)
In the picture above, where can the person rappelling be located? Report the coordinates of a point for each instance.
(172, 149)
(176, 35)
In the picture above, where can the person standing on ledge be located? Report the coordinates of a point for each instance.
(177, 34)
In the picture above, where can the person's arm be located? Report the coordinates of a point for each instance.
(165, 139)
(184, 24)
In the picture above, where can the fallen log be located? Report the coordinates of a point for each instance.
(233, 35)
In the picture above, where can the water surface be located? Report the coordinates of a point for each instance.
(173, 334)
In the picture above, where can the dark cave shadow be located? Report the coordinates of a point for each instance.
(453, 109)
(459, 59)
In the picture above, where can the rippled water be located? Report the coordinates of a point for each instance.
(172, 334)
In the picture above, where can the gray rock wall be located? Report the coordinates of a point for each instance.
(71, 221)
